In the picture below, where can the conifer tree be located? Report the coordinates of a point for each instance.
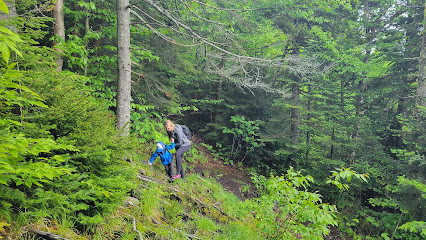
(124, 66)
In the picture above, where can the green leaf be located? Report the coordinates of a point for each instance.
(3, 7)
(4, 180)
(5, 52)
(9, 32)
(6, 168)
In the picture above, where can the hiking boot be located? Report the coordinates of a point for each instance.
(177, 176)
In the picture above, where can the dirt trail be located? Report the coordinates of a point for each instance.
(231, 178)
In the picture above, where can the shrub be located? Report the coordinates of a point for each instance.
(75, 136)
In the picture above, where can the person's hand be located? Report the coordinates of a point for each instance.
(149, 163)
(172, 140)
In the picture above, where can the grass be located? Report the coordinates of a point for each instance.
(197, 207)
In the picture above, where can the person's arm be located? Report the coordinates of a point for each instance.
(171, 146)
(153, 157)
(179, 134)
(171, 137)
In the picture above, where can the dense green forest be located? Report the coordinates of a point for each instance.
(322, 103)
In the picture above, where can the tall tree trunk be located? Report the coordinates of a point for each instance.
(59, 31)
(295, 97)
(421, 85)
(12, 13)
(295, 113)
(333, 139)
(220, 83)
(219, 88)
(124, 66)
(12, 10)
(308, 120)
(295, 118)
(362, 85)
(87, 27)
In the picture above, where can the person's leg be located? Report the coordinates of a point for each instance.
(178, 161)
(169, 169)
(179, 157)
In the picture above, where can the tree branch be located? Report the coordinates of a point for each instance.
(134, 226)
(47, 235)
(244, 71)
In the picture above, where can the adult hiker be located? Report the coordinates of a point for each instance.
(166, 157)
(182, 145)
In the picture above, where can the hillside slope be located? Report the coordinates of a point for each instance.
(195, 208)
(214, 201)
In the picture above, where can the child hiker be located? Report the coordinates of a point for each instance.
(165, 156)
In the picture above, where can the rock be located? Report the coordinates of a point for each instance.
(131, 201)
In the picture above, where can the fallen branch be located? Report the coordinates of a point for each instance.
(146, 179)
(134, 226)
(189, 196)
(191, 236)
(204, 204)
(209, 206)
(47, 235)
(155, 221)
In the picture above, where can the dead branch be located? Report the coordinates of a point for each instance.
(244, 71)
(47, 235)
(188, 195)
(155, 221)
(232, 9)
(147, 179)
(205, 205)
(134, 226)
(189, 236)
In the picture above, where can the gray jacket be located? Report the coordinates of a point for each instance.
(179, 136)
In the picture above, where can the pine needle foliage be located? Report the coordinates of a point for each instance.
(101, 176)
(69, 159)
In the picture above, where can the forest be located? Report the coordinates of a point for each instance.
(320, 104)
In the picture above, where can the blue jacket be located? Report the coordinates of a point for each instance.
(165, 156)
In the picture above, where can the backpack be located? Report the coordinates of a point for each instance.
(186, 131)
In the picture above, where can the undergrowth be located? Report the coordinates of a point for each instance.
(71, 171)
(196, 207)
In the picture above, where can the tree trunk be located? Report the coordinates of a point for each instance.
(12, 10)
(421, 85)
(59, 31)
(12, 13)
(308, 120)
(362, 85)
(87, 27)
(219, 88)
(294, 127)
(295, 113)
(124, 66)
